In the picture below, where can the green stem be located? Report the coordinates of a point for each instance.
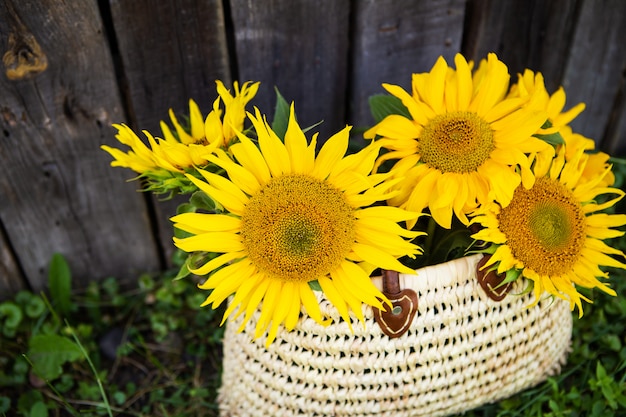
(60, 397)
(93, 369)
(430, 235)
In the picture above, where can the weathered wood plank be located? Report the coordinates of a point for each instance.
(58, 97)
(615, 139)
(531, 34)
(170, 51)
(392, 41)
(11, 279)
(301, 47)
(596, 66)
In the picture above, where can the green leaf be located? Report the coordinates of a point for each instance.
(5, 404)
(48, 353)
(553, 139)
(313, 126)
(182, 272)
(35, 307)
(185, 208)
(180, 233)
(38, 410)
(10, 315)
(179, 257)
(600, 372)
(202, 201)
(613, 342)
(26, 399)
(315, 285)
(60, 283)
(383, 105)
(119, 397)
(281, 115)
(510, 276)
(194, 261)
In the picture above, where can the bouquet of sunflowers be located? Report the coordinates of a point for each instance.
(462, 163)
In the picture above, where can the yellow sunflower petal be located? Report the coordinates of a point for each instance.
(603, 233)
(357, 281)
(251, 158)
(293, 315)
(378, 257)
(223, 190)
(353, 301)
(274, 151)
(493, 86)
(242, 296)
(210, 242)
(230, 202)
(243, 178)
(224, 274)
(310, 303)
(419, 197)
(288, 298)
(269, 305)
(196, 121)
(464, 80)
(255, 299)
(600, 246)
(207, 223)
(418, 113)
(393, 214)
(433, 91)
(395, 126)
(335, 297)
(183, 136)
(606, 220)
(601, 258)
(229, 286)
(506, 259)
(217, 262)
(331, 153)
(302, 157)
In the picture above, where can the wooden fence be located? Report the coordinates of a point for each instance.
(72, 68)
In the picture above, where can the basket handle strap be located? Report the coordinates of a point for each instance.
(395, 321)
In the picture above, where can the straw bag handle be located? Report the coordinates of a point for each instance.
(395, 321)
(491, 282)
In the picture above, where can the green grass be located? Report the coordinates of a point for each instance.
(161, 353)
(593, 382)
(165, 354)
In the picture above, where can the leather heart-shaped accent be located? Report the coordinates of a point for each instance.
(396, 320)
(491, 281)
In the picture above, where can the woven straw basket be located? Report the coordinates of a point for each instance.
(462, 350)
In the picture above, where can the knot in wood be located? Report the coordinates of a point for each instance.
(24, 58)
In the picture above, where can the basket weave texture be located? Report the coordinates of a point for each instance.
(462, 350)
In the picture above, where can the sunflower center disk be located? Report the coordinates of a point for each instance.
(551, 225)
(456, 142)
(297, 228)
(299, 236)
(545, 227)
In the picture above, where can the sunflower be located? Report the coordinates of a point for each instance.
(594, 163)
(292, 218)
(553, 232)
(557, 127)
(465, 142)
(180, 150)
(532, 84)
